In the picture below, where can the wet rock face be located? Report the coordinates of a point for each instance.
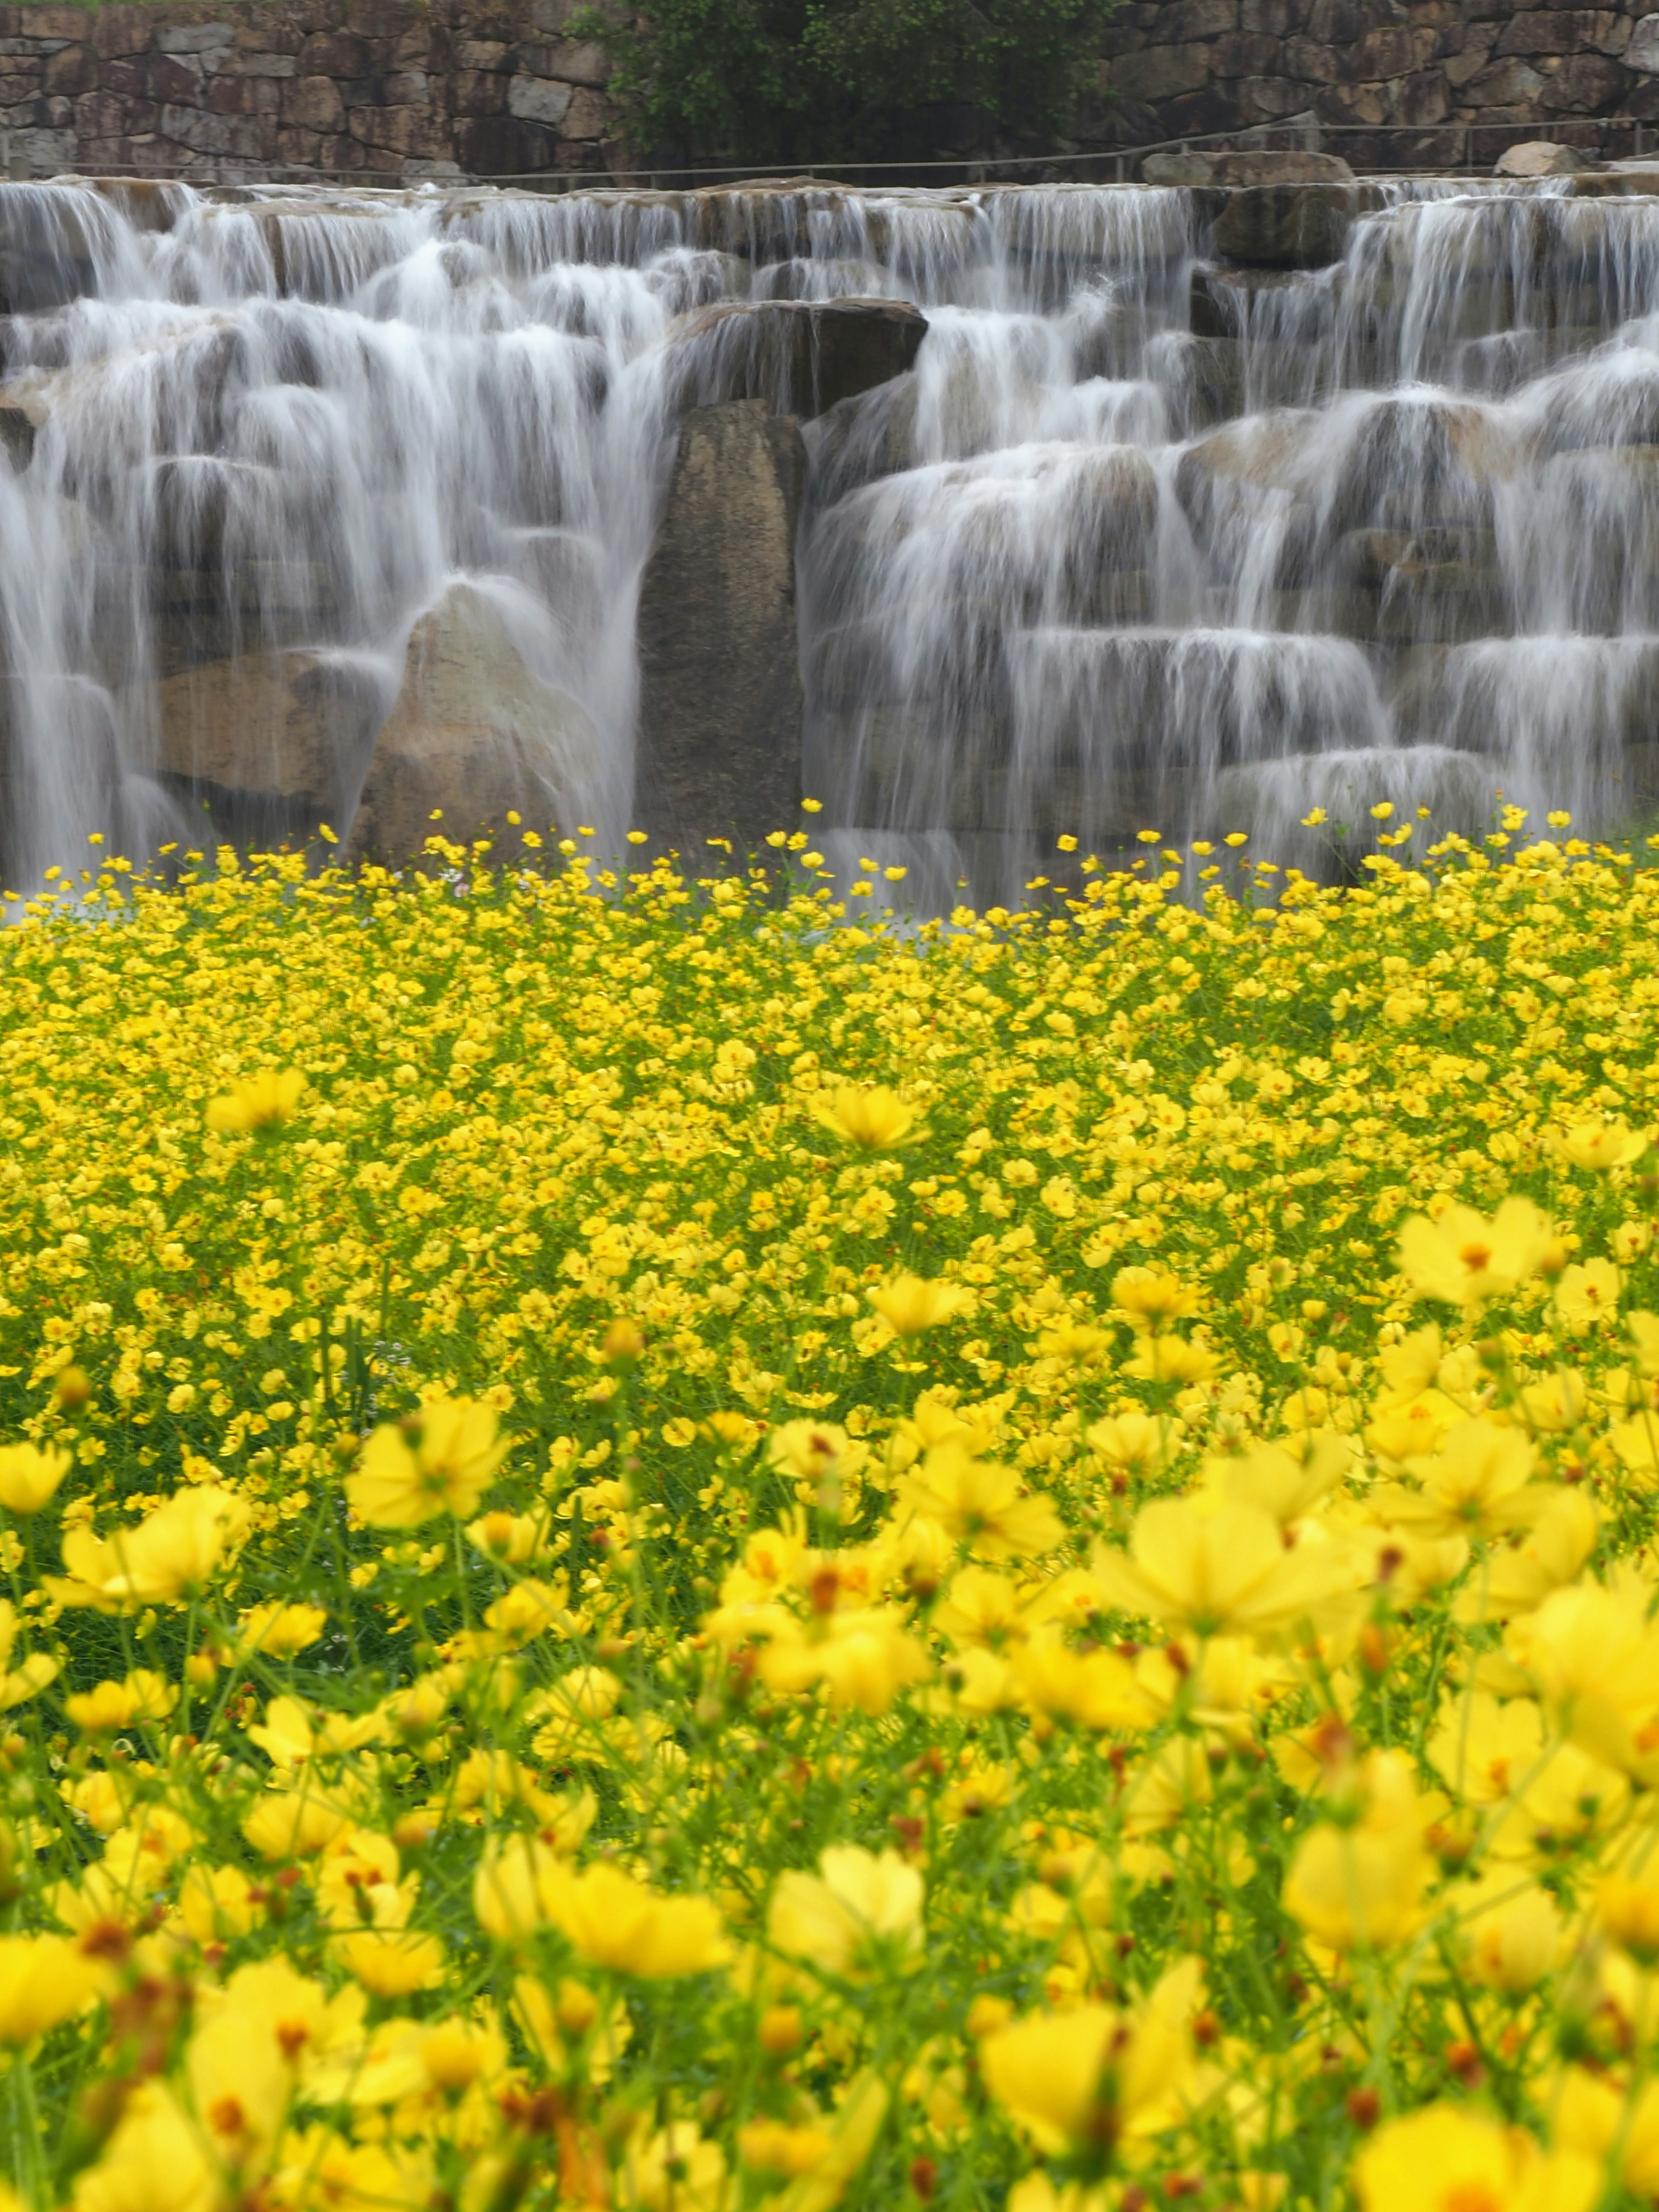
(1291, 166)
(473, 736)
(1286, 226)
(270, 744)
(801, 358)
(719, 730)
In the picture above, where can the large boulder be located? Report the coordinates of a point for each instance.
(1538, 157)
(1286, 226)
(720, 678)
(474, 735)
(800, 356)
(270, 742)
(1288, 167)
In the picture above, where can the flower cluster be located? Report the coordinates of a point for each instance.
(672, 1552)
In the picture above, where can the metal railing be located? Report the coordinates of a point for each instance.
(1433, 149)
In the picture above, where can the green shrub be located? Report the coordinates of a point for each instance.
(800, 80)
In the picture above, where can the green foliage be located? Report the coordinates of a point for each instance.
(796, 80)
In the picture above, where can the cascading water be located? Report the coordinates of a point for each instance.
(1140, 539)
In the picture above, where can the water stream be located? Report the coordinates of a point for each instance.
(1139, 540)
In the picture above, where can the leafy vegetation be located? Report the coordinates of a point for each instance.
(684, 1553)
(783, 81)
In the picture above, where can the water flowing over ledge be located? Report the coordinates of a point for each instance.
(1144, 535)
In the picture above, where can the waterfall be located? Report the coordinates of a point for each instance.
(1142, 539)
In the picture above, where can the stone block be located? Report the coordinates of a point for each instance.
(1423, 99)
(1582, 84)
(333, 53)
(313, 103)
(800, 357)
(1555, 31)
(1312, 64)
(69, 24)
(1344, 22)
(477, 92)
(202, 132)
(403, 130)
(720, 725)
(1270, 99)
(503, 146)
(408, 88)
(268, 740)
(1277, 19)
(242, 95)
(70, 71)
(1191, 19)
(42, 152)
(102, 115)
(474, 735)
(1284, 226)
(1246, 54)
(194, 37)
(480, 53)
(590, 115)
(422, 46)
(1161, 72)
(254, 64)
(539, 99)
(121, 30)
(1509, 83)
(1643, 51)
(1390, 50)
(1470, 59)
(571, 61)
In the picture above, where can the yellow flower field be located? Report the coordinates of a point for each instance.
(671, 1550)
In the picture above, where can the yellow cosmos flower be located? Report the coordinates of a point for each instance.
(1462, 1258)
(676, 2170)
(157, 2158)
(858, 1912)
(440, 1459)
(259, 1101)
(30, 1476)
(1209, 1564)
(1512, 1933)
(1364, 1887)
(43, 1979)
(294, 1824)
(612, 1920)
(1627, 1907)
(876, 1120)
(983, 1506)
(1149, 1297)
(1603, 1144)
(217, 1903)
(279, 1629)
(909, 1304)
(1587, 1295)
(174, 1553)
(1447, 2159)
(109, 1707)
(1084, 2082)
(1478, 1483)
(393, 1965)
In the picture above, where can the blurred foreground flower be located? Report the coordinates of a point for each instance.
(909, 1304)
(440, 1459)
(259, 1102)
(876, 1120)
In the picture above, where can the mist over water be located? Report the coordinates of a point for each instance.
(1141, 541)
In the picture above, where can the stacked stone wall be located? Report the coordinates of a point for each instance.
(1404, 81)
(396, 88)
(372, 87)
